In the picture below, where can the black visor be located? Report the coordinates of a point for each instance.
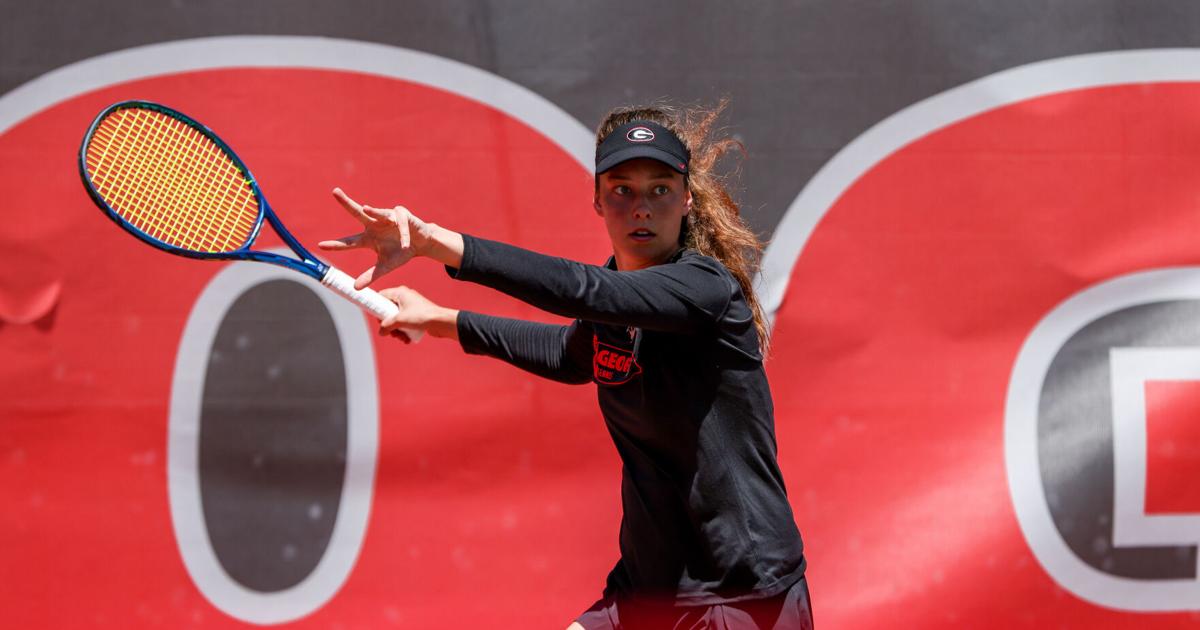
(642, 139)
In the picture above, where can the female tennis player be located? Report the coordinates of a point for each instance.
(671, 333)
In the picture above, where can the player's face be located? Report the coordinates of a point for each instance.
(642, 202)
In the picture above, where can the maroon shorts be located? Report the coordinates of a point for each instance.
(790, 610)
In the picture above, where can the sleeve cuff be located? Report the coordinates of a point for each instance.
(467, 337)
(462, 272)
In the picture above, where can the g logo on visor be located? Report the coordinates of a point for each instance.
(639, 134)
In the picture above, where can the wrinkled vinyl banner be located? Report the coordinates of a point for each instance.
(986, 361)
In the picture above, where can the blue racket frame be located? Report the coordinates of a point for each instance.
(306, 264)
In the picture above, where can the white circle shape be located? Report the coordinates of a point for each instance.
(1022, 461)
(912, 123)
(183, 448)
(320, 53)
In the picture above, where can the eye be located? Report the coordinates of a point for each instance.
(621, 189)
(661, 189)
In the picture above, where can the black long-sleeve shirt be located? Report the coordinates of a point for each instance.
(680, 381)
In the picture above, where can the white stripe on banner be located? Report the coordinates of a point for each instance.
(301, 52)
(942, 110)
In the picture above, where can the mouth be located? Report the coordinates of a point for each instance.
(641, 235)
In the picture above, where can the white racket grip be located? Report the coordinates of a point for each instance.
(370, 301)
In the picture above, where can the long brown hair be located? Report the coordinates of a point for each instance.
(715, 226)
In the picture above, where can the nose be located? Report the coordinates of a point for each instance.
(641, 208)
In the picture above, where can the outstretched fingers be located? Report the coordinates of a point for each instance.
(365, 278)
(375, 272)
(354, 241)
(398, 216)
(353, 207)
(379, 215)
(402, 221)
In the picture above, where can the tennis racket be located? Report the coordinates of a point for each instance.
(171, 182)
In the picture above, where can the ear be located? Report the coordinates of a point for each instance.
(596, 204)
(687, 203)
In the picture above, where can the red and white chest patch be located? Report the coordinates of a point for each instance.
(612, 365)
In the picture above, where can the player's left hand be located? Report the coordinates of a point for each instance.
(395, 235)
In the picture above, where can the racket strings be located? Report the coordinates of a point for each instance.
(170, 181)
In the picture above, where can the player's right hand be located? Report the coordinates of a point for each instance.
(418, 312)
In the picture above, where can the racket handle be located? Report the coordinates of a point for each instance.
(370, 301)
